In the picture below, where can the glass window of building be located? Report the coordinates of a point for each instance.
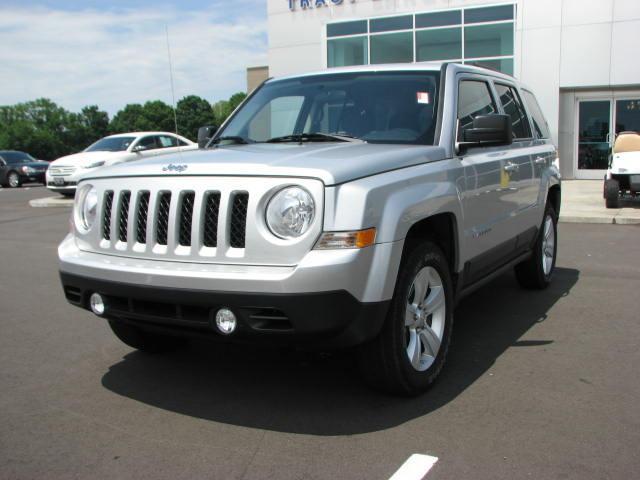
(494, 40)
(347, 28)
(481, 36)
(392, 48)
(438, 44)
(343, 52)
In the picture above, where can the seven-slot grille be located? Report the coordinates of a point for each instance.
(132, 212)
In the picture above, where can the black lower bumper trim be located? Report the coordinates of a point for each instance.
(327, 319)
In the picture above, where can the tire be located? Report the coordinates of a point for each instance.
(536, 272)
(13, 180)
(144, 341)
(385, 361)
(612, 193)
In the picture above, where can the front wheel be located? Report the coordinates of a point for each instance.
(612, 193)
(537, 271)
(408, 354)
(142, 340)
(13, 180)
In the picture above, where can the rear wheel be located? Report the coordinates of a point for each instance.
(537, 271)
(13, 180)
(410, 350)
(612, 193)
(145, 341)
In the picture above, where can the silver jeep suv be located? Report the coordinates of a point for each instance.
(346, 208)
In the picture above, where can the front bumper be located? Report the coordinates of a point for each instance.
(331, 298)
(326, 319)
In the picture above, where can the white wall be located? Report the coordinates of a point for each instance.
(559, 43)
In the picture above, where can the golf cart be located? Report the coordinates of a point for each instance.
(623, 175)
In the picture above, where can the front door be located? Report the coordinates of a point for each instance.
(600, 121)
(594, 138)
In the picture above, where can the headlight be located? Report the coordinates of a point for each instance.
(28, 170)
(95, 165)
(290, 212)
(86, 208)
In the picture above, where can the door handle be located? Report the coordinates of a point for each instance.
(540, 161)
(511, 167)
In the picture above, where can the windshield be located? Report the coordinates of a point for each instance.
(376, 107)
(17, 157)
(111, 144)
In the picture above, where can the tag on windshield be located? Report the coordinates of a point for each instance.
(423, 97)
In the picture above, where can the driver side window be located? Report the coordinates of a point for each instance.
(149, 143)
(474, 99)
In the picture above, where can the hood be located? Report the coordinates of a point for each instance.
(332, 163)
(37, 165)
(84, 159)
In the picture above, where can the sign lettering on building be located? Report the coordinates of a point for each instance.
(305, 4)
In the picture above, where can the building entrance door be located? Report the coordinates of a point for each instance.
(599, 121)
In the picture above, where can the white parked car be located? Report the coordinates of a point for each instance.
(64, 173)
(623, 175)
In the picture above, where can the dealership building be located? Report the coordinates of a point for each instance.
(580, 57)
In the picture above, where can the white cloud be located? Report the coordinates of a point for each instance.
(111, 58)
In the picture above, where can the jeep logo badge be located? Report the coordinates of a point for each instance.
(174, 168)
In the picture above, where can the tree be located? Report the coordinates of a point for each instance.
(193, 112)
(224, 108)
(154, 115)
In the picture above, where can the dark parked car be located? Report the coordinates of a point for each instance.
(17, 168)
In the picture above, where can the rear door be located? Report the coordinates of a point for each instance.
(519, 189)
(544, 152)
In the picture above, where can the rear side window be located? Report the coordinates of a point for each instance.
(539, 123)
(474, 98)
(513, 107)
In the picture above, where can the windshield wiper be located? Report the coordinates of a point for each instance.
(231, 138)
(315, 137)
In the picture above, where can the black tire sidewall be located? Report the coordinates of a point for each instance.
(424, 255)
(9, 175)
(546, 278)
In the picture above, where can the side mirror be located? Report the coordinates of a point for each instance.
(205, 134)
(139, 148)
(489, 130)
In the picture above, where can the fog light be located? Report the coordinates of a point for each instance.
(96, 303)
(226, 321)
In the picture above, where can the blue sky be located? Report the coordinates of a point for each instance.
(113, 53)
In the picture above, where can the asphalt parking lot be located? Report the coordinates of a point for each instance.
(538, 385)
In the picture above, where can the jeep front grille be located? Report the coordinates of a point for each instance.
(106, 218)
(238, 225)
(162, 218)
(212, 207)
(123, 216)
(142, 217)
(134, 214)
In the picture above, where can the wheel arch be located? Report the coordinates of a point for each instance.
(442, 229)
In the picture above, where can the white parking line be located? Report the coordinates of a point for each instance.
(415, 468)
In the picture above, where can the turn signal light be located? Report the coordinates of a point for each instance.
(355, 239)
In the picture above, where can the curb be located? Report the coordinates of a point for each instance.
(51, 202)
(600, 220)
